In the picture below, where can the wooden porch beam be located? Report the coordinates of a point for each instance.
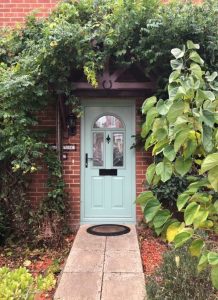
(116, 86)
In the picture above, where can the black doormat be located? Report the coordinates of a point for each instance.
(108, 230)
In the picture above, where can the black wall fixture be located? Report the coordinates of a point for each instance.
(71, 124)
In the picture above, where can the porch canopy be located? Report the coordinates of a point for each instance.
(113, 82)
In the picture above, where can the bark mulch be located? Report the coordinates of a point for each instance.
(152, 249)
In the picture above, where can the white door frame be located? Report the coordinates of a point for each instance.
(116, 102)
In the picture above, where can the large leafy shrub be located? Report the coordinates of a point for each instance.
(178, 279)
(184, 129)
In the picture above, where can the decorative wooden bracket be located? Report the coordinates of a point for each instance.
(111, 82)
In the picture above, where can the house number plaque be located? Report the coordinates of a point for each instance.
(66, 148)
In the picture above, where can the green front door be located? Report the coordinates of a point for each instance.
(109, 179)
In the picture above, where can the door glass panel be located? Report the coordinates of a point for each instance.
(108, 121)
(98, 149)
(118, 149)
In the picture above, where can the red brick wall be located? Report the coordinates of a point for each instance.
(72, 177)
(15, 11)
(143, 159)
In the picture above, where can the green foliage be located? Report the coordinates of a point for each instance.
(19, 284)
(167, 192)
(37, 63)
(179, 280)
(190, 144)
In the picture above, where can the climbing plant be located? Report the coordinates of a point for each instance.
(37, 61)
(184, 129)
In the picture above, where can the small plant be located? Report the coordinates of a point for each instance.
(168, 192)
(177, 279)
(19, 284)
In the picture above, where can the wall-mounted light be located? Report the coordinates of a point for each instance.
(71, 124)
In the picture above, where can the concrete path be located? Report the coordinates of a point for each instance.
(106, 268)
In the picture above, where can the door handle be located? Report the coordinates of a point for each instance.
(87, 158)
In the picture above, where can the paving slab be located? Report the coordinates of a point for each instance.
(103, 268)
(79, 286)
(81, 260)
(87, 241)
(122, 242)
(123, 286)
(123, 261)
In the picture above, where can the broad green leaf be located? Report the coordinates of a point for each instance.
(213, 178)
(180, 139)
(196, 57)
(161, 217)
(164, 170)
(158, 123)
(169, 152)
(174, 75)
(178, 53)
(182, 200)
(191, 45)
(159, 230)
(208, 117)
(209, 95)
(173, 230)
(144, 197)
(196, 247)
(156, 179)
(194, 186)
(213, 258)
(160, 134)
(148, 103)
(163, 107)
(146, 127)
(191, 212)
(200, 218)
(202, 262)
(207, 224)
(214, 276)
(207, 138)
(172, 91)
(165, 227)
(176, 110)
(209, 162)
(182, 237)
(190, 148)
(176, 93)
(158, 148)
(149, 142)
(176, 64)
(150, 173)
(211, 77)
(151, 209)
(183, 166)
(196, 70)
